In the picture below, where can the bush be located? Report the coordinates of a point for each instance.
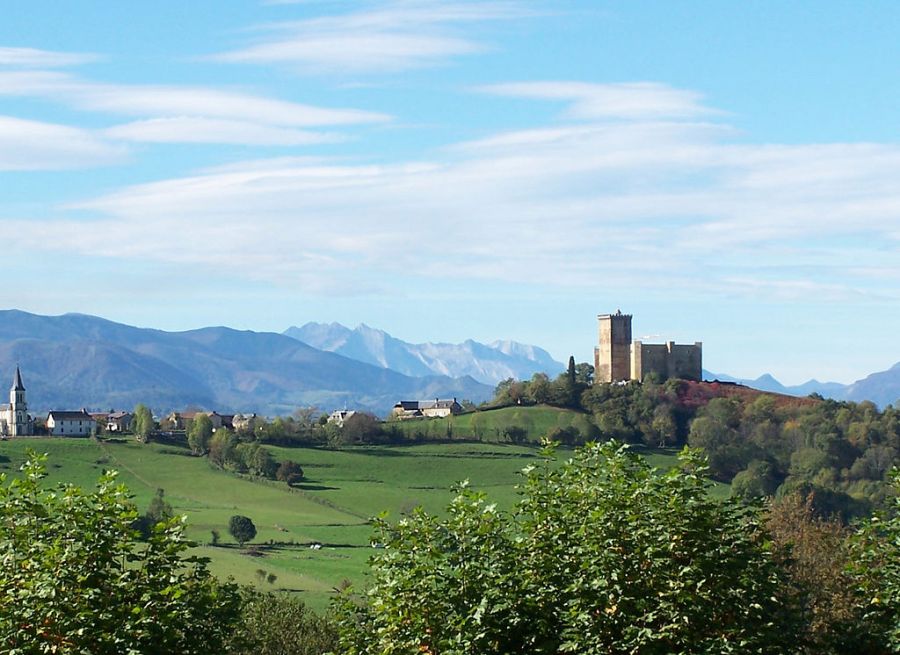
(281, 625)
(289, 472)
(74, 580)
(602, 555)
(242, 529)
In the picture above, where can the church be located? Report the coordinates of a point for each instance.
(14, 418)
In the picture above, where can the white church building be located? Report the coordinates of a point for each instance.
(14, 418)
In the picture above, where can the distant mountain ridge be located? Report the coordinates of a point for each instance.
(77, 360)
(487, 363)
(881, 388)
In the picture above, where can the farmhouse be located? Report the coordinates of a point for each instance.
(70, 424)
(338, 416)
(428, 408)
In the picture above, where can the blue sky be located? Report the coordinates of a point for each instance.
(728, 172)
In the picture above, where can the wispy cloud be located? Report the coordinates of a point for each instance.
(27, 145)
(34, 58)
(643, 202)
(632, 100)
(176, 101)
(211, 130)
(397, 36)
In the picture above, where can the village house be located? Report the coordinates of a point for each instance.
(436, 408)
(182, 420)
(70, 423)
(338, 416)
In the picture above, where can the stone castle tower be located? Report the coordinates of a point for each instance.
(617, 358)
(612, 357)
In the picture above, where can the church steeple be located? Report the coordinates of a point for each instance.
(17, 381)
(19, 422)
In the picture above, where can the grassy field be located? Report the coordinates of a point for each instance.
(489, 425)
(342, 491)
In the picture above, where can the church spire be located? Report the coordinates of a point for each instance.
(17, 382)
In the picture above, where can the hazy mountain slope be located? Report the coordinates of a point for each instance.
(78, 360)
(486, 363)
(881, 388)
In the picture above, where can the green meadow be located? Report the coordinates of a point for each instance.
(489, 425)
(342, 491)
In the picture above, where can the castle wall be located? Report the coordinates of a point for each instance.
(667, 360)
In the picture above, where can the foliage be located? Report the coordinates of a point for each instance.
(74, 581)
(158, 511)
(280, 625)
(241, 528)
(199, 434)
(814, 551)
(289, 472)
(875, 567)
(603, 555)
(142, 423)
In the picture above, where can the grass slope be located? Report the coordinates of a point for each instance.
(489, 425)
(342, 490)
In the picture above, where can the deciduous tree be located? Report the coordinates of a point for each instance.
(73, 579)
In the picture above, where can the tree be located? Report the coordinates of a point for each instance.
(875, 557)
(199, 434)
(74, 580)
(242, 529)
(289, 472)
(158, 511)
(142, 423)
(602, 555)
(360, 427)
(281, 625)
(584, 374)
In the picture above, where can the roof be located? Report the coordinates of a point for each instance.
(17, 381)
(115, 415)
(69, 415)
(412, 405)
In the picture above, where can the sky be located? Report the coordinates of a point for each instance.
(727, 172)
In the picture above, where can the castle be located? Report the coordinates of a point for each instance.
(14, 418)
(618, 358)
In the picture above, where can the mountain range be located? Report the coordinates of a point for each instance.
(76, 360)
(881, 388)
(487, 363)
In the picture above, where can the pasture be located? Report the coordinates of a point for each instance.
(343, 489)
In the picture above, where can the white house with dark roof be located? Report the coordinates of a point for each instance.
(70, 423)
(436, 408)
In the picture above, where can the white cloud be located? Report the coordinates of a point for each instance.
(632, 100)
(31, 145)
(187, 129)
(177, 101)
(34, 58)
(398, 36)
(646, 203)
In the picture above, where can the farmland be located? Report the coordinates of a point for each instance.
(343, 489)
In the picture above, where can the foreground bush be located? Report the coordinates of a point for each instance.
(602, 555)
(74, 580)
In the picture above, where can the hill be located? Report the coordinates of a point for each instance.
(77, 360)
(342, 491)
(487, 363)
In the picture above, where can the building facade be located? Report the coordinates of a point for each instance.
(14, 418)
(617, 358)
(428, 408)
(70, 424)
